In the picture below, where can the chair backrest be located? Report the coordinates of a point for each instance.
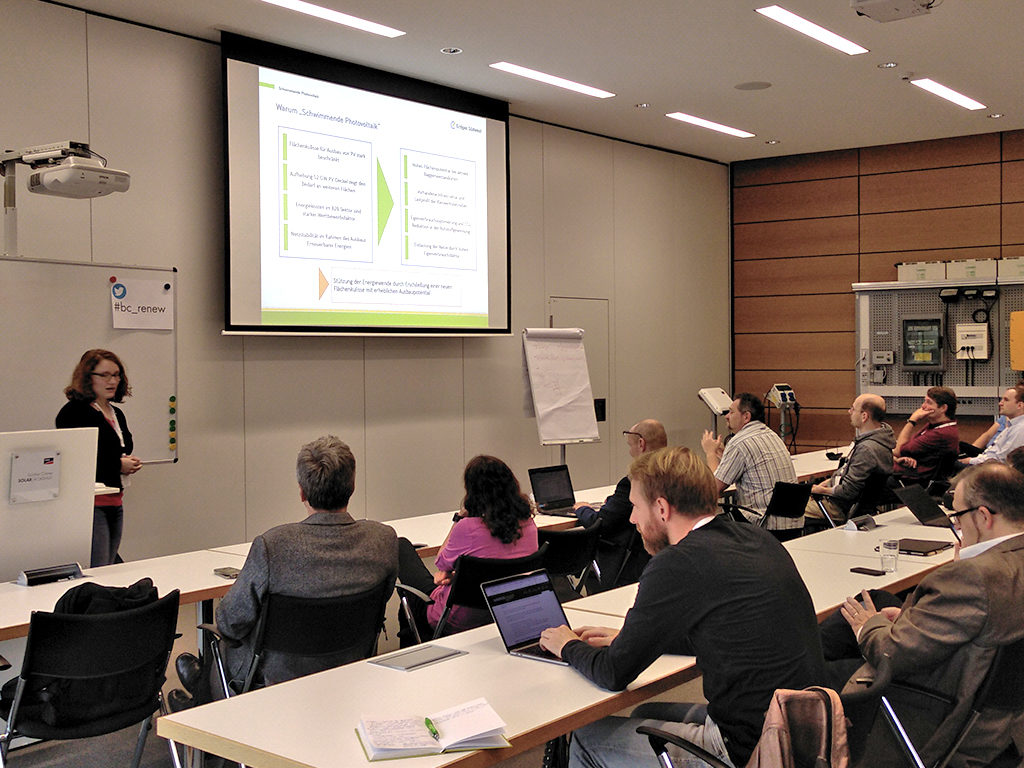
(788, 500)
(89, 674)
(569, 552)
(1003, 687)
(946, 466)
(875, 493)
(471, 572)
(322, 626)
(88, 646)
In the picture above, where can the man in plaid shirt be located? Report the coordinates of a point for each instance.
(754, 459)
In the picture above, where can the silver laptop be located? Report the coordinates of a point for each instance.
(523, 606)
(552, 490)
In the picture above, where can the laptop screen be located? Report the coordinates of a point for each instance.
(552, 486)
(921, 504)
(523, 606)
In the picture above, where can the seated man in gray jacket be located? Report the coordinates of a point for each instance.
(328, 554)
(871, 455)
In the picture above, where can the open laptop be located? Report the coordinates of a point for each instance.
(523, 606)
(924, 507)
(552, 490)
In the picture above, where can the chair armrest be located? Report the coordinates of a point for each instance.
(873, 688)
(212, 629)
(659, 738)
(734, 509)
(4, 663)
(819, 499)
(406, 591)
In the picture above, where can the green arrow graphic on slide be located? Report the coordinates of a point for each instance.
(384, 203)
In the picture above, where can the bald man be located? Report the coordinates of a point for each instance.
(616, 530)
(871, 455)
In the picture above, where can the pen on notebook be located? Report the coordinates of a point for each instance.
(430, 727)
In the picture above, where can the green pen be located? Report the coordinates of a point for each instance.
(430, 727)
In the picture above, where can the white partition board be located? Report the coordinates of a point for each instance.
(41, 533)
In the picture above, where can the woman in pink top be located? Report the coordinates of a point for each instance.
(496, 520)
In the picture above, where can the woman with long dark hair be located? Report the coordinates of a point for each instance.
(98, 381)
(495, 520)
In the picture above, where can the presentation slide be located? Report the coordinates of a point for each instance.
(373, 211)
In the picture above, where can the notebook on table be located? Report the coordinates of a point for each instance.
(923, 547)
(522, 607)
(552, 490)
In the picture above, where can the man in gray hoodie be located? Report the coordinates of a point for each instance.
(871, 455)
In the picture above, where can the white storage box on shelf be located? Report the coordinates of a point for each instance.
(919, 271)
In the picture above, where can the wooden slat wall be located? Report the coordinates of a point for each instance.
(807, 226)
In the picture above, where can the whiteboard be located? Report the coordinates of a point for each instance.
(559, 381)
(52, 312)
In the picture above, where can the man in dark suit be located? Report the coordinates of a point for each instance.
(617, 540)
(947, 631)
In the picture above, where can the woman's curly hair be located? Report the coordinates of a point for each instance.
(493, 493)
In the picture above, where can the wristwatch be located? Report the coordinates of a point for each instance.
(912, 422)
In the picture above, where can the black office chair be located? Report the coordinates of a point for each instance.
(788, 500)
(875, 495)
(943, 471)
(122, 655)
(1002, 691)
(569, 557)
(325, 632)
(469, 573)
(968, 450)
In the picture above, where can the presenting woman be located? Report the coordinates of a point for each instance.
(496, 520)
(99, 381)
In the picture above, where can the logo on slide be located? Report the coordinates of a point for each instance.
(119, 291)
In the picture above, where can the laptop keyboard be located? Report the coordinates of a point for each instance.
(536, 650)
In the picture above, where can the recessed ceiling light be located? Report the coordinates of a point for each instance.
(701, 122)
(996, 115)
(451, 51)
(772, 141)
(642, 105)
(560, 82)
(888, 65)
(337, 17)
(947, 93)
(809, 28)
(753, 85)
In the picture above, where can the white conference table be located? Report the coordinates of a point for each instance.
(310, 722)
(896, 524)
(826, 574)
(190, 572)
(271, 728)
(824, 560)
(429, 531)
(813, 464)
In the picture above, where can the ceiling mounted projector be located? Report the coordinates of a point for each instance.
(891, 10)
(61, 169)
(78, 177)
(65, 169)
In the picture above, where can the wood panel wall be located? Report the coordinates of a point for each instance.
(805, 227)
